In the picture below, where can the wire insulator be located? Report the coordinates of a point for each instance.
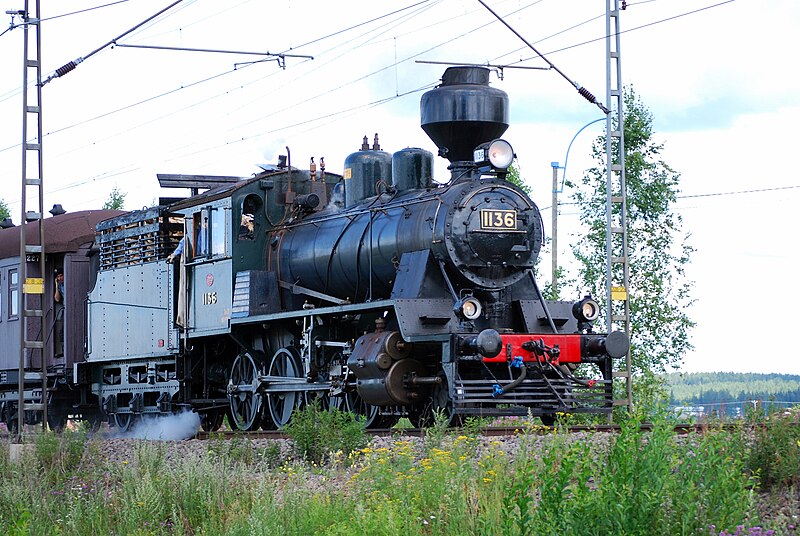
(61, 71)
(586, 94)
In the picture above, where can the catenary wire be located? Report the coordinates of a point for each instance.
(149, 99)
(128, 129)
(630, 29)
(362, 78)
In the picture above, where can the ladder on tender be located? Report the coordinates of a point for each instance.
(617, 260)
(32, 302)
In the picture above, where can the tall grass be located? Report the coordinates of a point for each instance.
(629, 483)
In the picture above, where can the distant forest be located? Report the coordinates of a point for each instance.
(714, 388)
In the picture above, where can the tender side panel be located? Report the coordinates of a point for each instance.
(129, 313)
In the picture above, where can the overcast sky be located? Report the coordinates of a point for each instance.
(720, 78)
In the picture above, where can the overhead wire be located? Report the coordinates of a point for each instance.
(709, 194)
(132, 167)
(318, 56)
(128, 128)
(330, 116)
(92, 179)
(201, 81)
(374, 72)
(13, 26)
(384, 68)
(630, 30)
(190, 24)
(82, 11)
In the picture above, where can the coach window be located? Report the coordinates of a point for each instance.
(1, 295)
(13, 295)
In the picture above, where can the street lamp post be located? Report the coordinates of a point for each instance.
(556, 191)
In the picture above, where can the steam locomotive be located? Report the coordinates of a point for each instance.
(378, 291)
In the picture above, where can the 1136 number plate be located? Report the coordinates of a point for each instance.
(498, 220)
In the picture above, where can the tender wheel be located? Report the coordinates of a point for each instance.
(94, 421)
(56, 420)
(285, 364)
(11, 421)
(245, 399)
(211, 421)
(123, 421)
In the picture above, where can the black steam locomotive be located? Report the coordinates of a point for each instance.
(376, 291)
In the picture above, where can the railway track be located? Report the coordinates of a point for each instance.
(491, 431)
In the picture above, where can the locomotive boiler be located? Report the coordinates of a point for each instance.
(446, 273)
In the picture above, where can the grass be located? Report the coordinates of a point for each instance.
(451, 482)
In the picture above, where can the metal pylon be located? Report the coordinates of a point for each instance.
(32, 303)
(617, 260)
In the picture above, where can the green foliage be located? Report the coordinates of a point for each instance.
(57, 454)
(775, 455)
(319, 433)
(116, 200)
(473, 426)
(5, 212)
(239, 451)
(724, 387)
(514, 177)
(659, 292)
(633, 483)
(438, 430)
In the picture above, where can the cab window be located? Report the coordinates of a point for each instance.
(209, 229)
(251, 210)
(200, 233)
(217, 223)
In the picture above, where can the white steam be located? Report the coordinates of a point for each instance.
(167, 428)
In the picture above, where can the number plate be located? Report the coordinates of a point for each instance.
(498, 220)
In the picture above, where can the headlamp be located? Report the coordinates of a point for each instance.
(586, 310)
(498, 153)
(468, 308)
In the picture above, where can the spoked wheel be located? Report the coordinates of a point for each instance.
(94, 421)
(439, 403)
(548, 419)
(211, 421)
(11, 420)
(285, 364)
(245, 399)
(369, 413)
(124, 421)
(442, 403)
(56, 420)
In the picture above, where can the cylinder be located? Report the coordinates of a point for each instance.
(412, 169)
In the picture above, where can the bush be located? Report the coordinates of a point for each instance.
(59, 454)
(318, 433)
(775, 453)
